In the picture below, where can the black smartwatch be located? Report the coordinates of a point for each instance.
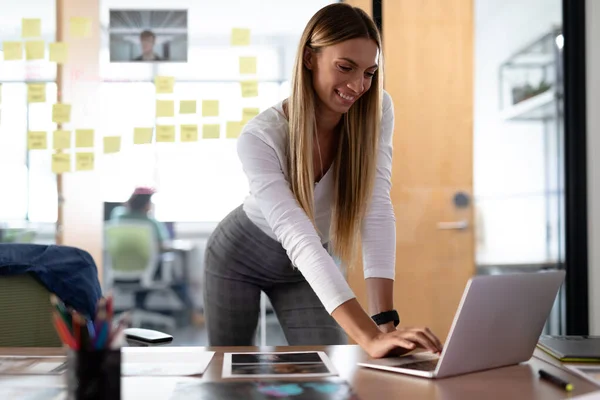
(387, 316)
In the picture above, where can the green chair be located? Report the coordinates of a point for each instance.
(25, 313)
(26, 317)
(18, 235)
(131, 259)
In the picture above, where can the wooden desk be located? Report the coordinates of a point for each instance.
(515, 382)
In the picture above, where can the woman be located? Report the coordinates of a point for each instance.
(319, 168)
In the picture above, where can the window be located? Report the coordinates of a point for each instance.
(26, 174)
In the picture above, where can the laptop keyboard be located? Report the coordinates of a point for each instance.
(427, 365)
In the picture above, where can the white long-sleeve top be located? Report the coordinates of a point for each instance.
(271, 205)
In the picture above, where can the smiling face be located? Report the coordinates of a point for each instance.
(343, 72)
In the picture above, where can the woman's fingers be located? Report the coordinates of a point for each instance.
(422, 339)
(437, 341)
(432, 338)
(402, 342)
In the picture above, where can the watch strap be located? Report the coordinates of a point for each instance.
(386, 316)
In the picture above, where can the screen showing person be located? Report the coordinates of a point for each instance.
(148, 35)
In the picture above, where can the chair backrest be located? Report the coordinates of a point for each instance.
(25, 313)
(131, 249)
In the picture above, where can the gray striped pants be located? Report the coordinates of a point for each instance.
(241, 261)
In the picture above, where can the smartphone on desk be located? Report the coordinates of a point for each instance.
(146, 337)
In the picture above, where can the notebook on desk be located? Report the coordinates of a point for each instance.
(571, 348)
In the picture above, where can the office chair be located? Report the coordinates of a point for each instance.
(26, 315)
(131, 259)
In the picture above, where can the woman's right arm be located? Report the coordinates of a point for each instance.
(299, 238)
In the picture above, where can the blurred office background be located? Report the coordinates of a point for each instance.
(509, 214)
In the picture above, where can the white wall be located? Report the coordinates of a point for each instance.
(592, 22)
(508, 156)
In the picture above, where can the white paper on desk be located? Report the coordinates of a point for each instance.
(32, 393)
(31, 365)
(162, 368)
(589, 396)
(589, 372)
(309, 364)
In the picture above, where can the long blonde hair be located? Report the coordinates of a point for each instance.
(355, 162)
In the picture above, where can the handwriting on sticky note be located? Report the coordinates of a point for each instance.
(211, 131)
(164, 84)
(61, 163)
(37, 140)
(84, 161)
(12, 51)
(35, 50)
(240, 37)
(189, 133)
(187, 107)
(210, 108)
(234, 128)
(31, 27)
(249, 88)
(59, 52)
(142, 135)
(61, 113)
(165, 133)
(36, 92)
(80, 27)
(61, 140)
(248, 65)
(84, 138)
(165, 108)
(249, 113)
(112, 144)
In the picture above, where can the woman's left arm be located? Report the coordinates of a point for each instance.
(379, 226)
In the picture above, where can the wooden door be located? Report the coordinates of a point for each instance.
(428, 50)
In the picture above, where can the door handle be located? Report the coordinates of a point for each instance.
(456, 225)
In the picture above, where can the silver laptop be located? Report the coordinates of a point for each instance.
(498, 323)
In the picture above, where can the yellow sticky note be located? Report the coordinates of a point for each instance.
(84, 161)
(165, 108)
(142, 135)
(12, 50)
(234, 128)
(240, 37)
(59, 52)
(164, 84)
(189, 133)
(165, 133)
(211, 131)
(36, 92)
(249, 113)
(31, 27)
(80, 27)
(249, 88)
(84, 138)
(61, 140)
(61, 113)
(35, 50)
(61, 162)
(187, 107)
(248, 65)
(210, 108)
(37, 140)
(112, 144)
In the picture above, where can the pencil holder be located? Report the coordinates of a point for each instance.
(94, 374)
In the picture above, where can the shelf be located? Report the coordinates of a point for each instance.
(540, 107)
